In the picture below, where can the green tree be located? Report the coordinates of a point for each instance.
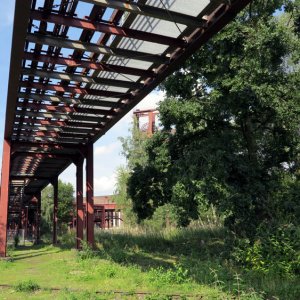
(134, 146)
(65, 205)
(235, 108)
(122, 198)
(134, 149)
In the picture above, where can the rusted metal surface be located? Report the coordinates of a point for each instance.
(55, 210)
(79, 202)
(4, 196)
(90, 195)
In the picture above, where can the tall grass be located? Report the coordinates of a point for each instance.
(201, 253)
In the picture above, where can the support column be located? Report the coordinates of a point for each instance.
(55, 208)
(4, 196)
(151, 120)
(38, 217)
(90, 195)
(103, 217)
(79, 202)
(114, 218)
(26, 223)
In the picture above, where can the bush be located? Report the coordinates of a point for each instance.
(27, 286)
(161, 276)
(86, 252)
(275, 251)
(67, 240)
(16, 240)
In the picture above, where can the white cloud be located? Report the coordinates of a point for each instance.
(106, 149)
(151, 101)
(104, 185)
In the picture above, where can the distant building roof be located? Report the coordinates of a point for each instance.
(100, 200)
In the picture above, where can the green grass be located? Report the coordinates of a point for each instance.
(186, 262)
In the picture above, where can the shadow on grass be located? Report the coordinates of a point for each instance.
(34, 250)
(201, 252)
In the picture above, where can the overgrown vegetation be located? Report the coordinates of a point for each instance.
(230, 141)
(190, 262)
(27, 286)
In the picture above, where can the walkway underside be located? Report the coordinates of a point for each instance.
(77, 68)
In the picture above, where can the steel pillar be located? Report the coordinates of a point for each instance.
(90, 195)
(79, 202)
(55, 208)
(4, 196)
(151, 121)
(38, 217)
(26, 223)
(103, 221)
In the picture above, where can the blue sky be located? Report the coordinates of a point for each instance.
(106, 150)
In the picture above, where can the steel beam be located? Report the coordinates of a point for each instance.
(218, 19)
(67, 100)
(28, 128)
(63, 116)
(4, 196)
(88, 64)
(66, 109)
(82, 78)
(73, 90)
(106, 28)
(60, 124)
(55, 209)
(83, 46)
(103, 221)
(22, 10)
(79, 202)
(38, 148)
(20, 176)
(149, 11)
(38, 217)
(90, 195)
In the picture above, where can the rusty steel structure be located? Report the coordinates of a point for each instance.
(150, 114)
(73, 76)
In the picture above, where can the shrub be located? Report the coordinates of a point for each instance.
(27, 286)
(86, 252)
(16, 240)
(275, 251)
(161, 276)
(67, 240)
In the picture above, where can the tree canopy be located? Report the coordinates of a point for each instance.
(65, 204)
(235, 107)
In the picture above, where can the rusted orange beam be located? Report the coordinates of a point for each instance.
(90, 195)
(79, 202)
(73, 90)
(89, 64)
(106, 28)
(4, 196)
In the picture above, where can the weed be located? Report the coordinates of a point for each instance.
(67, 240)
(237, 284)
(217, 283)
(86, 251)
(161, 276)
(110, 271)
(27, 286)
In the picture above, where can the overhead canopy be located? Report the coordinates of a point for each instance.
(77, 67)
